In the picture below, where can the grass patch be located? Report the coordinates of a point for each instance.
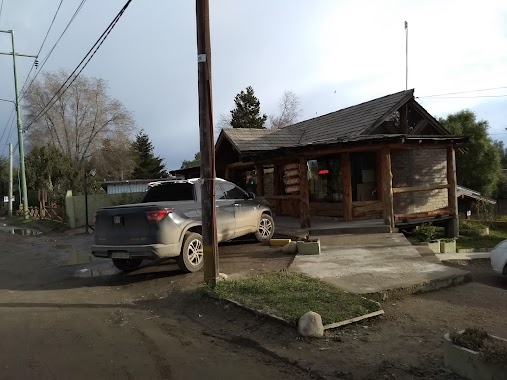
(290, 295)
(495, 236)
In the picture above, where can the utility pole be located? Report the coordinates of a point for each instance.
(406, 55)
(20, 125)
(209, 227)
(10, 179)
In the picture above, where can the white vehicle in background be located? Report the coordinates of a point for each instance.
(499, 258)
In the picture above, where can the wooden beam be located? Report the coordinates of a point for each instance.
(304, 197)
(419, 127)
(347, 186)
(259, 174)
(387, 186)
(240, 165)
(423, 215)
(404, 119)
(451, 180)
(412, 189)
(378, 174)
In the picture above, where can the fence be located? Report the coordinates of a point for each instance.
(75, 205)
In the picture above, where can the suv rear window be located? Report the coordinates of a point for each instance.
(170, 191)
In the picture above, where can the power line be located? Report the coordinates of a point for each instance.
(7, 124)
(53, 48)
(74, 75)
(463, 92)
(465, 97)
(9, 135)
(42, 45)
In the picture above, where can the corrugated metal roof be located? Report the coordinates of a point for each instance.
(336, 126)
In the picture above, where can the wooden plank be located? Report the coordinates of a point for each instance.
(281, 197)
(419, 127)
(404, 119)
(378, 174)
(352, 320)
(451, 180)
(347, 186)
(412, 189)
(372, 208)
(427, 214)
(304, 201)
(259, 174)
(387, 187)
(240, 165)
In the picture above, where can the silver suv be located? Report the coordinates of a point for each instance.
(167, 224)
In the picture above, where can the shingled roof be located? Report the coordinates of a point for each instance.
(338, 126)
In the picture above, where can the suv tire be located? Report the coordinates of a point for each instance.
(266, 228)
(191, 258)
(128, 265)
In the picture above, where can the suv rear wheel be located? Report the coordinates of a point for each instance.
(266, 228)
(191, 258)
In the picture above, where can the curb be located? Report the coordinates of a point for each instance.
(473, 250)
(429, 286)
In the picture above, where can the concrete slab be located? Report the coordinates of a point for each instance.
(464, 256)
(289, 226)
(376, 264)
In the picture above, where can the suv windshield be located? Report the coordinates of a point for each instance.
(170, 191)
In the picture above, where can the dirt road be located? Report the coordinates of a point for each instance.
(55, 325)
(66, 317)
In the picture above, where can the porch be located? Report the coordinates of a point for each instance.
(291, 227)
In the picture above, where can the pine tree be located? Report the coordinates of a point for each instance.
(147, 165)
(247, 111)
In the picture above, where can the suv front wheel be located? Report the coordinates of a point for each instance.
(266, 228)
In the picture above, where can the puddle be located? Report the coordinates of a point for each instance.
(75, 257)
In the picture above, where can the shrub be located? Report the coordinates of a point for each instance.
(490, 350)
(471, 338)
(426, 232)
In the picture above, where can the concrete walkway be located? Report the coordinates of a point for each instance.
(376, 263)
(463, 256)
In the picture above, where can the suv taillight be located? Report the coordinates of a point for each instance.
(157, 215)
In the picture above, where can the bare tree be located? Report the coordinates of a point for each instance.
(80, 121)
(224, 121)
(289, 111)
(115, 160)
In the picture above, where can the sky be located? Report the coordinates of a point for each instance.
(331, 53)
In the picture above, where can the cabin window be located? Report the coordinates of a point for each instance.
(364, 179)
(325, 180)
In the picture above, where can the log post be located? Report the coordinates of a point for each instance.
(387, 186)
(452, 228)
(304, 198)
(259, 173)
(347, 186)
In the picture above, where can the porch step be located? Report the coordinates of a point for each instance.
(352, 230)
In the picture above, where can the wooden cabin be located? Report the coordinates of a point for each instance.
(386, 158)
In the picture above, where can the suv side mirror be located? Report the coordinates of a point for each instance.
(251, 195)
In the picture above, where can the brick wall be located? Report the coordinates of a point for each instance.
(421, 167)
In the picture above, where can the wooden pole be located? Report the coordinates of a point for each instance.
(451, 180)
(304, 198)
(259, 173)
(387, 186)
(209, 228)
(347, 186)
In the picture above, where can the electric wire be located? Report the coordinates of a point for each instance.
(77, 71)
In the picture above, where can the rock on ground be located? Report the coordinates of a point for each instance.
(310, 325)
